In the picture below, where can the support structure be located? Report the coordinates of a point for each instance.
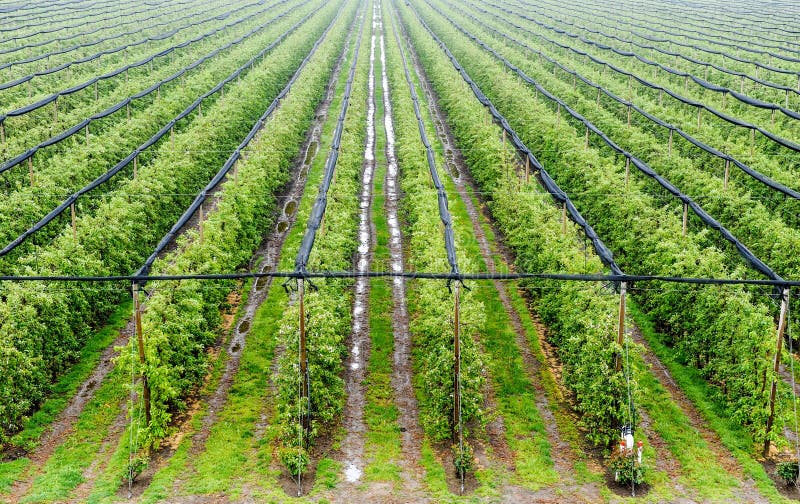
(304, 424)
(457, 364)
(623, 288)
(137, 317)
(776, 365)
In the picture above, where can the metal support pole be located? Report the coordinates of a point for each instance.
(457, 363)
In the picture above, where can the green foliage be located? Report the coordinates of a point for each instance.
(718, 331)
(626, 469)
(788, 472)
(43, 327)
(328, 317)
(432, 324)
(463, 459)
(581, 319)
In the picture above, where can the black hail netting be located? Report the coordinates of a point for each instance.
(102, 179)
(105, 52)
(760, 177)
(11, 163)
(79, 87)
(321, 203)
(743, 251)
(702, 82)
(441, 194)
(176, 7)
(201, 196)
(603, 252)
(647, 61)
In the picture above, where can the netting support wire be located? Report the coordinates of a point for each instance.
(457, 364)
(137, 317)
(623, 288)
(776, 366)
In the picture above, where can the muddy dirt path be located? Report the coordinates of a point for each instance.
(64, 424)
(358, 342)
(748, 492)
(266, 259)
(411, 434)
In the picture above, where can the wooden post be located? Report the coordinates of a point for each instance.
(457, 364)
(776, 364)
(727, 174)
(135, 166)
(669, 147)
(787, 99)
(137, 316)
(128, 110)
(741, 85)
(86, 131)
(558, 114)
(773, 118)
(95, 91)
(172, 137)
(586, 145)
(55, 110)
(598, 98)
(752, 141)
(74, 222)
(527, 169)
(685, 217)
(30, 168)
(620, 325)
(200, 222)
(629, 115)
(303, 360)
(627, 171)
(660, 97)
(564, 218)
(3, 132)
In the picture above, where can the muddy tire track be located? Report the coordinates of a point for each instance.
(748, 491)
(358, 342)
(64, 424)
(411, 434)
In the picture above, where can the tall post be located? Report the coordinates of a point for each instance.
(564, 218)
(727, 174)
(2, 132)
(137, 317)
(627, 171)
(303, 358)
(30, 168)
(685, 217)
(55, 110)
(200, 222)
(623, 287)
(776, 365)
(74, 222)
(457, 363)
(527, 169)
(669, 147)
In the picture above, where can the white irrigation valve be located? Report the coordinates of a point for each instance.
(639, 448)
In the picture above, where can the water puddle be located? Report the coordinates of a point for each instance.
(290, 208)
(244, 326)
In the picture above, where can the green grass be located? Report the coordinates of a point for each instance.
(383, 446)
(215, 470)
(733, 436)
(64, 389)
